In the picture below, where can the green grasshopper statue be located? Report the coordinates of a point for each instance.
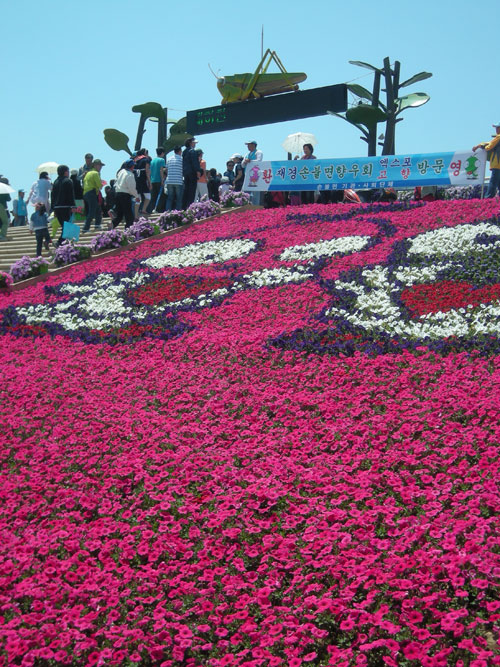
(240, 87)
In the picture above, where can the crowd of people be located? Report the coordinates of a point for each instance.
(145, 185)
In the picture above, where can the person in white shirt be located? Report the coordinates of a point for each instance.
(126, 191)
(40, 190)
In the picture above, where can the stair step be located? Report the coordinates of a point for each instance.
(20, 242)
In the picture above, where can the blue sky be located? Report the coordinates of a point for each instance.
(73, 69)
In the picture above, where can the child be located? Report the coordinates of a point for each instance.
(224, 186)
(39, 223)
(213, 185)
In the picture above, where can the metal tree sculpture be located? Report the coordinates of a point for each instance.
(366, 116)
(155, 112)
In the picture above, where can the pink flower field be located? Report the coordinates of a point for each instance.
(269, 439)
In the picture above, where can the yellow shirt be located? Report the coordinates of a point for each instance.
(493, 150)
(92, 181)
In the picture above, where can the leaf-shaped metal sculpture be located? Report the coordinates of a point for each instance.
(359, 63)
(177, 135)
(150, 110)
(417, 77)
(179, 126)
(411, 101)
(365, 114)
(359, 91)
(117, 140)
(369, 115)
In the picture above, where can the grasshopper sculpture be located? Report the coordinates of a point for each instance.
(240, 87)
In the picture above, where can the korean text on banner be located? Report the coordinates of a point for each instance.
(398, 171)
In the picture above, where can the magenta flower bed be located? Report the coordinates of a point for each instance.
(271, 439)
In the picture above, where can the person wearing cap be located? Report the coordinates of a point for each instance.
(190, 170)
(19, 210)
(125, 193)
(492, 149)
(239, 172)
(92, 185)
(253, 155)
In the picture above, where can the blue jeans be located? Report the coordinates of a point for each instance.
(93, 210)
(155, 193)
(174, 193)
(42, 235)
(494, 183)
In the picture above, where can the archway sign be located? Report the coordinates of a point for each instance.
(267, 110)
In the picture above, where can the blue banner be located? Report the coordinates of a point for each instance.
(385, 171)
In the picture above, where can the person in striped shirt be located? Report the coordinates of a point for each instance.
(174, 183)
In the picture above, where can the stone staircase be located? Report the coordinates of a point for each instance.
(20, 242)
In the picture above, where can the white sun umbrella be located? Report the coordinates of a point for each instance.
(294, 142)
(6, 189)
(49, 167)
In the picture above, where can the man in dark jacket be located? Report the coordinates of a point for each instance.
(191, 169)
(63, 197)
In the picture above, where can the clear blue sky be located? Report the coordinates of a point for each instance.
(72, 69)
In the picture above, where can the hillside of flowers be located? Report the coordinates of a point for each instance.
(269, 439)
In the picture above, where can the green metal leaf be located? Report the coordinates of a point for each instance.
(177, 135)
(417, 77)
(175, 140)
(365, 114)
(411, 101)
(150, 110)
(117, 140)
(359, 63)
(179, 126)
(359, 91)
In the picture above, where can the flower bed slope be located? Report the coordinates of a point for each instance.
(229, 456)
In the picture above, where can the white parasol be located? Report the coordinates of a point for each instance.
(49, 167)
(294, 142)
(6, 189)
